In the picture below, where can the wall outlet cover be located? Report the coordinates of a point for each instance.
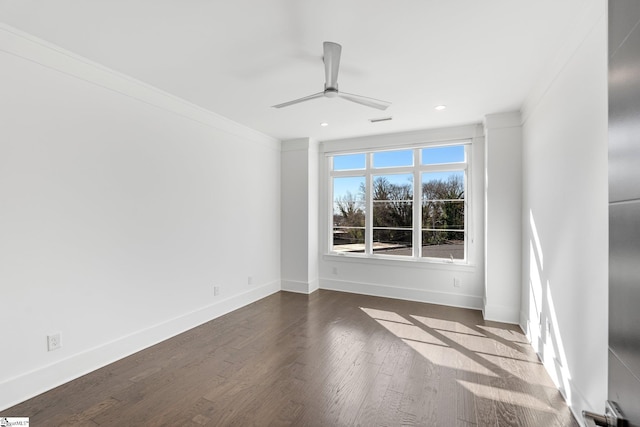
(53, 341)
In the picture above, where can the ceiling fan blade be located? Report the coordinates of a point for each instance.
(331, 60)
(369, 102)
(297, 101)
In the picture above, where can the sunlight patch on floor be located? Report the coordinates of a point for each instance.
(450, 358)
(385, 315)
(507, 396)
(531, 372)
(515, 337)
(410, 332)
(428, 345)
(446, 325)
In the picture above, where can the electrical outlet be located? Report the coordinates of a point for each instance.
(249, 280)
(53, 342)
(548, 331)
(456, 282)
(216, 291)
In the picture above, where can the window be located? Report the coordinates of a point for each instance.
(374, 210)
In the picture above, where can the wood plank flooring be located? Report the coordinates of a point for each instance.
(328, 359)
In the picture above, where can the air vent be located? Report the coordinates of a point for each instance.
(381, 119)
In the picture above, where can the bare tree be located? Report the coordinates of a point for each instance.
(349, 212)
(443, 208)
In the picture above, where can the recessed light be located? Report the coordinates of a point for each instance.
(440, 107)
(324, 124)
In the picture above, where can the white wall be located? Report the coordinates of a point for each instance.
(299, 221)
(565, 225)
(503, 216)
(294, 221)
(409, 279)
(314, 203)
(120, 209)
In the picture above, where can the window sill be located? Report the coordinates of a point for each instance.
(426, 264)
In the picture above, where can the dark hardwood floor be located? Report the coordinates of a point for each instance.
(328, 359)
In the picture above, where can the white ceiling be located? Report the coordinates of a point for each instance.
(239, 57)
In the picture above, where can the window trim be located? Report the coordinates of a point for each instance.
(416, 170)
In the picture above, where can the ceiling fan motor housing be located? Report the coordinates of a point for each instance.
(331, 92)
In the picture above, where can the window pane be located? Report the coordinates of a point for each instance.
(385, 159)
(393, 214)
(349, 190)
(397, 213)
(390, 241)
(393, 200)
(348, 162)
(348, 239)
(443, 185)
(348, 214)
(393, 187)
(443, 244)
(443, 215)
(439, 155)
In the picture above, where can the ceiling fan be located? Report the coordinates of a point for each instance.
(331, 65)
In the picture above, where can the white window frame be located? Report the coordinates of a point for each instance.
(416, 170)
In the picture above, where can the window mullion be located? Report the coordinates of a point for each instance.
(329, 184)
(368, 219)
(468, 215)
(444, 168)
(417, 205)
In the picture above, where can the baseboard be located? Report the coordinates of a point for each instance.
(524, 324)
(33, 383)
(410, 294)
(574, 398)
(314, 285)
(299, 286)
(578, 403)
(501, 313)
